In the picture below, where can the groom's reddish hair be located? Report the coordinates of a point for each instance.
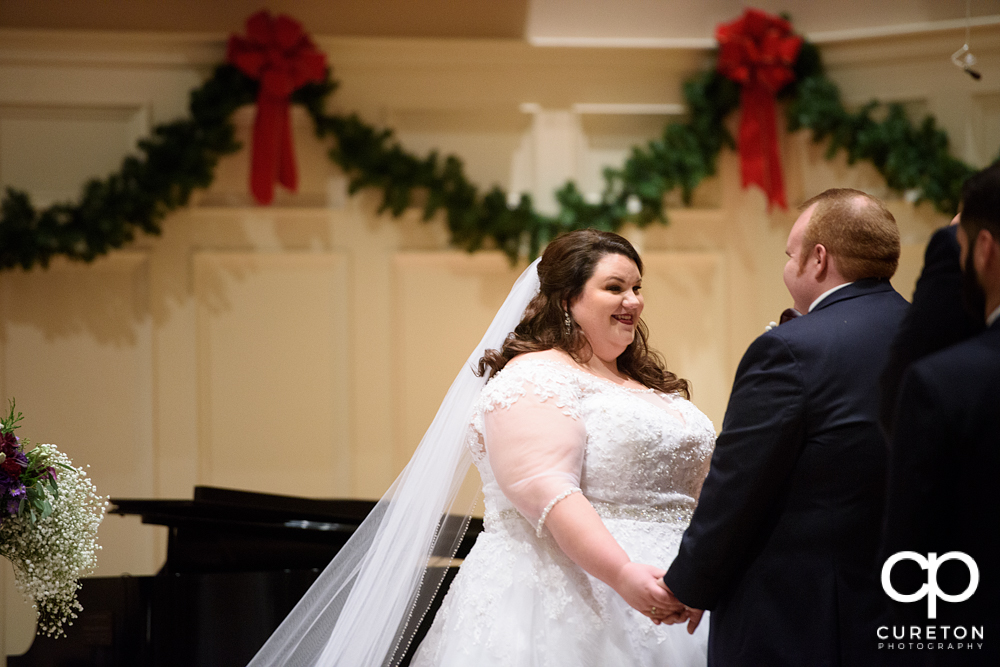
(857, 230)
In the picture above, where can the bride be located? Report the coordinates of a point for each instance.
(591, 460)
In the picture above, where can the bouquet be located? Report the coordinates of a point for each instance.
(49, 514)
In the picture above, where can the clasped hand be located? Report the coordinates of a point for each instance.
(643, 589)
(689, 614)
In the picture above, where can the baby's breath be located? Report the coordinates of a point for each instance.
(52, 553)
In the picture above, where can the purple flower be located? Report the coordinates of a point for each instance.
(12, 493)
(11, 487)
(8, 484)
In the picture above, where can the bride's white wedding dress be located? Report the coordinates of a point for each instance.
(542, 430)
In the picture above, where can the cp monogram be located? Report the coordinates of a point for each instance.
(930, 589)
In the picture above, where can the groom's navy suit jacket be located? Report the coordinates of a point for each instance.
(782, 547)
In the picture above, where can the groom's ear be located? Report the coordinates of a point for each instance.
(986, 257)
(820, 260)
(986, 247)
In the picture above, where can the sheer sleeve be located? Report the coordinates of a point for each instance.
(535, 444)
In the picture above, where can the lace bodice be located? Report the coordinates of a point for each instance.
(631, 451)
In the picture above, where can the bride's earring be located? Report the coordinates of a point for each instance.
(568, 323)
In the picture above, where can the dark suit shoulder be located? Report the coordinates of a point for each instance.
(978, 356)
(942, 252)
(936, 320)
(772, 350)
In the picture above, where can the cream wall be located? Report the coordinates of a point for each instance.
(303, 348)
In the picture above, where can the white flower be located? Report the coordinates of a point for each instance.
(52, 554)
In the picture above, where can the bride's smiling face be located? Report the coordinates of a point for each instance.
(609, 307)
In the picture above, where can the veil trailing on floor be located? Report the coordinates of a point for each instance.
(364, 608)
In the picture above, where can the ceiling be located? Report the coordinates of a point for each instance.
(544, 22)
(372, 18)
(692, 22)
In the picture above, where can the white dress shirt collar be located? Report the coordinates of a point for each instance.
(993, 316)
(826, 294)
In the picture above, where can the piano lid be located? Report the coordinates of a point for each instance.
(234, 505)
(232, 530)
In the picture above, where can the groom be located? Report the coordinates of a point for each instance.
(782, 545)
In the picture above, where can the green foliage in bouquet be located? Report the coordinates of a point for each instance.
(38, 477)
(181, 156)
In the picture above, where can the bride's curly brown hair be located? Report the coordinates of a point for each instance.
(567, 264)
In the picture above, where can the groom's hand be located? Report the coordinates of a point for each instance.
(694, 618)
(681, 612)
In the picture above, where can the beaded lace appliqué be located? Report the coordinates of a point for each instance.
(548, 508)
(549, 380)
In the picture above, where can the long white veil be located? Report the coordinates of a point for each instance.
(363, 609)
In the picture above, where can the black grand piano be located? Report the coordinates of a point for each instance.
(237, 562)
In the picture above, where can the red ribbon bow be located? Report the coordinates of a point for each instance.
(758, 51)
(279, 54)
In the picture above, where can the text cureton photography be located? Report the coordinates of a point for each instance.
(930, 637)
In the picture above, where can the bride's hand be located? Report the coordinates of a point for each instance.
(638, 585)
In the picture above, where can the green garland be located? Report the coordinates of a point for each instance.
(181, 156)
